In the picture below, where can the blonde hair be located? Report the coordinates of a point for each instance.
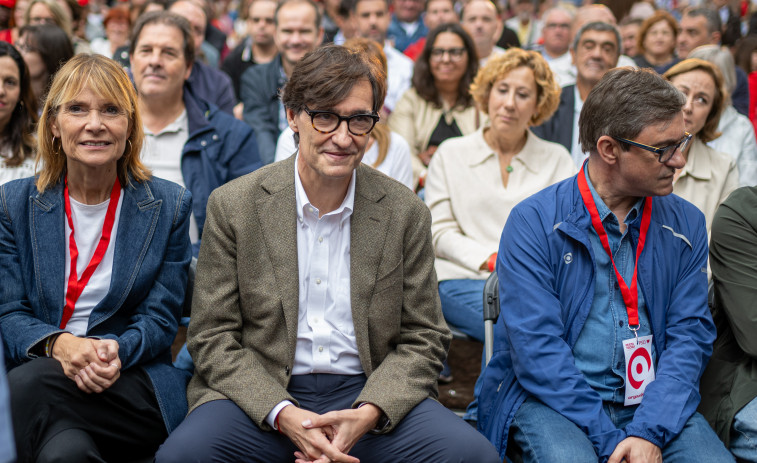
(547, 89)
(709, 131)
(108, 80)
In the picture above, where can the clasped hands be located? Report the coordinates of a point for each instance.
(327, 438)
(93, 364)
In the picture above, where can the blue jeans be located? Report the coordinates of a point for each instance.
(463, 305)
(744, 433)
(543, 435)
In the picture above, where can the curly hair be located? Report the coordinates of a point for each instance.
(547, 88)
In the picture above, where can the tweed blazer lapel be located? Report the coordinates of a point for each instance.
(277, 215)
(369, 225)
(48, 216)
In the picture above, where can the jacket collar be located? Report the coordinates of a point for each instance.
(698, 165)
(136, 225)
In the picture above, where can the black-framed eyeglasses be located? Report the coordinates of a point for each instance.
(455, 54)
(666, 152)
(328, 121)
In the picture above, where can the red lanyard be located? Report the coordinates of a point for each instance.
(630, 296)
(76, 286)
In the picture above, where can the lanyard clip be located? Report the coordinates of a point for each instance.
(635, 331)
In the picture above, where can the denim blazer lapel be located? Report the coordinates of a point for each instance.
(136, 226)
(47, 230)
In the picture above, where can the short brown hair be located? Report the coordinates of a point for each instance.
(659, 15)
(166, 18)
(326, 75)
(108, 80)
(547, 89)
(710, 130)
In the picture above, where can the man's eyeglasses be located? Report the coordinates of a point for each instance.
(665, 153)
(455, 54)
(328, 121)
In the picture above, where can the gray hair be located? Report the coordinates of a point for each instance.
(722, 59)
(598, 26)
(623, 103)
(714, 24)
(571, 12)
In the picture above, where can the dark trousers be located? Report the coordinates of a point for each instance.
(219, 431)
(53, 420)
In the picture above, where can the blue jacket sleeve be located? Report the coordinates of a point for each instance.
(154, 321)
(672, 398)
(535, 325)
(257, 114)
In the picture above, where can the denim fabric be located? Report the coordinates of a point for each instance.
(543, 435)
(7, 445)
(463, 305)
(598, 351)
(142, 308)
(744, 433)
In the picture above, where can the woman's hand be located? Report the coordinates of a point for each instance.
(425, 156)
(93, 364)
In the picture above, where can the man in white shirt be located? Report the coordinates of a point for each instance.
(371, 19)
(555, 32)
(481, 20)
(316, 327)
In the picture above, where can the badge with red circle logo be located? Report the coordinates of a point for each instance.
(639, 368)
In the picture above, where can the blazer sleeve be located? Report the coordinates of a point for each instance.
(155, 320)
(408, 373)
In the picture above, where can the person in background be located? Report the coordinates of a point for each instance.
(729, 384)
(555, 33)
(736, 131)
(18, 116)
(437, 12)
(298, 31)
(386, 151)
(371, 19)
(407, 24)
(746, 60)
(42, 12)
(709, 176)
(45, 48)
(629, 35)
(438, 105)
(524, 22)
(117, 23)
(481, 20)
(94, 264)
(656, 42)
(207, 82)
(7, 25)
(256, 47)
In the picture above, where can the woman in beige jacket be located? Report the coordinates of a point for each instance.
(709, 176)
(438, 105)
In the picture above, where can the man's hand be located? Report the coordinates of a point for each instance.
(93, 364)
(314, 442)
(348, 426)
(636, 450)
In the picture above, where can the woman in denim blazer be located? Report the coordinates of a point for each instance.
(89, 358)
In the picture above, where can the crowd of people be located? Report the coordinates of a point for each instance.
(335, 181)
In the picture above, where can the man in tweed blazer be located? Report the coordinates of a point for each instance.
(316, 328)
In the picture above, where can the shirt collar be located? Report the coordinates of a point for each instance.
(698, 163)
(532, 156)
(179, 124)
(306, 209)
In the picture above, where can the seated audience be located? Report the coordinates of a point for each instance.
(42, 12)
(117, 24)
(438, 105)
(481, 20)
(45, 48)
(629, 35)
(18, 116)
(746, 61)
(656, 42)
(555, 38)
(736, 131)
(386, 151)
(729, 384)
(595, 50)
(91, 378)
(333, 352)
(437, 12)
(524, 22)
(558, 388)
(187, 140)
(298, 31)
(709, 176)
(207, 82)
(257, 47)
(407, 24)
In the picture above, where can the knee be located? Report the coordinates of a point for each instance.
(69, 445)
(182, 447)
(27, 383)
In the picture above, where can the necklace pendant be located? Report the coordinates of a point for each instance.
(509, 169)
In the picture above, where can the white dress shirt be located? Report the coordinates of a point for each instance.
(325, 330)
(576, 152)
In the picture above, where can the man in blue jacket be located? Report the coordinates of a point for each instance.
(187, 140)
(604, 329)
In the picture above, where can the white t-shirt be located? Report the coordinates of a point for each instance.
(88, 225)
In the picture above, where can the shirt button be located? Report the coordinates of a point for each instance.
(620, 323)
(616, 285)
(310, 209)
(320, 239)
(203, 143)
(318, 281)
(320, 348)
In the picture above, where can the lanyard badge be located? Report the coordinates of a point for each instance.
(638, 350)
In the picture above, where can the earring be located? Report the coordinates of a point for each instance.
(55, 150)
